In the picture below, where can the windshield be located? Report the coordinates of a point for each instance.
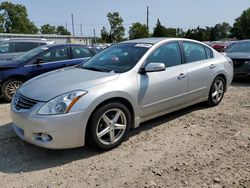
(30, 54)
(118, 58)
(240, 47)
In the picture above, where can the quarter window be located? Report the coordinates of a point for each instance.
(56, 55)
(80, 52)
(209, 53)
(169, 54)
(194, 52)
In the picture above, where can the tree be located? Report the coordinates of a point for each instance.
(241, 28)
(220, 31)
(159, 30)
(138, 30)
(61, 30)
(48, 29)
(116, 27)
(105, 35)
(14, 19)
(200, 34)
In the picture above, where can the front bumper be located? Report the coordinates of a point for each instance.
(242, 71)
(66, 130)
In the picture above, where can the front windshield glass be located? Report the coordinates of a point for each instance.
(240, 47)
(118, 58)
(30, 54)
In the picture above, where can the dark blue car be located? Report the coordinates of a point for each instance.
(38, 61)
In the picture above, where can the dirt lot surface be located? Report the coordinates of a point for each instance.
(194, 147)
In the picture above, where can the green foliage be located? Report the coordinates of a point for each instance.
(162, 31)
(48, 29)
(198, 34)
(61, 30)
(220, 31)
(241, 27)
(105, 36)
(14, 19)
(159, 30)
(116, 32)
(116, 27)
(138, 30)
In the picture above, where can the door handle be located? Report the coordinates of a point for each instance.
(212, 66)
(181, 76)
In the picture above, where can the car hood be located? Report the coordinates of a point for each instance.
(8, 64)
(49, 85)
(239, 55)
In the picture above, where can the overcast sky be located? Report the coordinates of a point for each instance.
(172, 13)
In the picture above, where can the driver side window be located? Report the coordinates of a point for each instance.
(169, 54)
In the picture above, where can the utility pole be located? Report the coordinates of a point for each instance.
(73, 27)
(66, 26)
(81, 28)
(147, 17)
(94, 37)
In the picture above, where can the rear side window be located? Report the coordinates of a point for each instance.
(169, 54)
(80, 52)
(194, 52)
(25, 46)
(5, 48)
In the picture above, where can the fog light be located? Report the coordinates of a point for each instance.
(43, 137)
(46, 137)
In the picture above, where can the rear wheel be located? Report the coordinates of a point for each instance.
(109, 126)
(9, 88)
(217, 91)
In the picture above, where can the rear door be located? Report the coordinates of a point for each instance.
(79, 54)
(200, 69)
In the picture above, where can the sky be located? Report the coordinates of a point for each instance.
(92, 14)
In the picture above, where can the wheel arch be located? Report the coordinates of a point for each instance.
(121, 100)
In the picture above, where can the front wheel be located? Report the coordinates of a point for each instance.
(9, 88)
(109, 126)
(217, 91)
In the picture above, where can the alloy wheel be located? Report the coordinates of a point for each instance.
(12, 87)
(111, 126)
(218, 90)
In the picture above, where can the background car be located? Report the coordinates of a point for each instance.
(239, 52)
(117, 89)
(38, 61)
(10, 48)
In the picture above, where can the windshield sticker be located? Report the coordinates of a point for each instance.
(143, 45)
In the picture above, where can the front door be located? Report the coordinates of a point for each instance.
(160, 91)
(54, 58)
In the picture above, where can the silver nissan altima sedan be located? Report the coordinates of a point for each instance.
(126, 84)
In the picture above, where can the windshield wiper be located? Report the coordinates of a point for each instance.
(95, 69)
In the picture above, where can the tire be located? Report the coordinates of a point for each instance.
(9, 88)
(109, 126)
(217, 91)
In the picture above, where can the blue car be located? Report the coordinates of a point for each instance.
(38, 61)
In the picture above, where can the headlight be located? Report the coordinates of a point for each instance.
(61, 104)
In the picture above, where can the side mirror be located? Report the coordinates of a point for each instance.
(155, 67)
(39, 61)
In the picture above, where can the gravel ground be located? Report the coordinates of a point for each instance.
(194, 147)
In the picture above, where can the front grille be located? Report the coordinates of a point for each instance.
(238, 62)
(21, 102)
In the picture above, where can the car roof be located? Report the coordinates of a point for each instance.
(63, 45)
(155, 40)
(45, 41)
(246, 40)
